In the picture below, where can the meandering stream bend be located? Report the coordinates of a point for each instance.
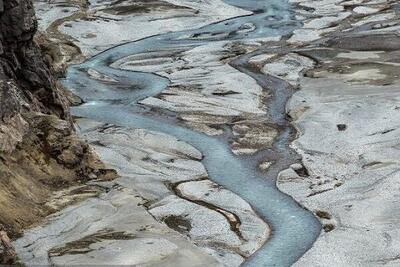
(294, 229)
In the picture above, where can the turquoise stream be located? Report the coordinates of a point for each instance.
(294, 229)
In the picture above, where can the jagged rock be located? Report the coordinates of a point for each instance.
(30, 84)
(7, 250)
(39, 151)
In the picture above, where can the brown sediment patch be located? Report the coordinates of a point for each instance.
(370, 42)
(365, 66)
(82, 245)
(359, 72)
(323, 214)
(222, 246)
(178, 223)
(138, 7)
(253, 136)
(72, 195)
(328, 227)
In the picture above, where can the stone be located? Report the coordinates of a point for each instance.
(341, 127)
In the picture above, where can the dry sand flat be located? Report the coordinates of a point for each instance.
(347, 116)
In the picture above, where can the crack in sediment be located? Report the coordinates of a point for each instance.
(233, 219)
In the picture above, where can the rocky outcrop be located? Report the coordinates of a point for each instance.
(22, 62)
(39, 151)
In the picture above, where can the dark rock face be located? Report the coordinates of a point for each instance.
(39, 150)
(22, 61)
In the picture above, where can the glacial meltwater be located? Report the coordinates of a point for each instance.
(294, 229)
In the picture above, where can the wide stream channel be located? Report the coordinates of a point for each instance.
(294, 229)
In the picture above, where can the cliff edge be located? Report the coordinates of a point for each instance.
(39, 151)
